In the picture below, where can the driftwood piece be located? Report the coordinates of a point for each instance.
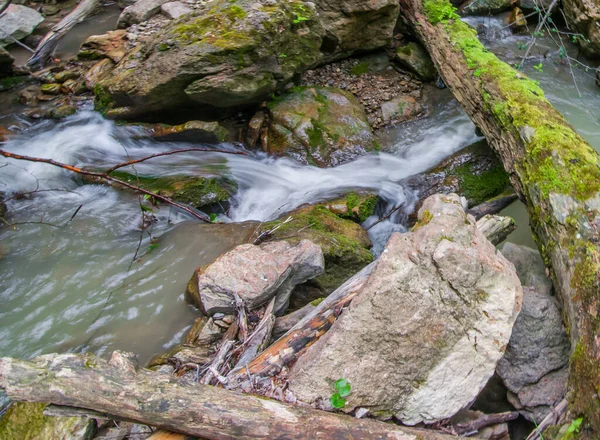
(258, 340)
(46, 48)
(225, 347)
(553, 170)
(305, 333)
(143, 396)
(492, 206)
(286, 322)
(555, 415)
(483, 421)
(496, 228)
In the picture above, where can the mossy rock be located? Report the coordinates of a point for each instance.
(355, 206)
(229, 54)
(199, 192)
(345, 244)
(474, 172)
(415, 58)
(26, 421)
(12, 82)
(191, 131)
(321, 126)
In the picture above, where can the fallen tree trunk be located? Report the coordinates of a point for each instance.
(553, 170)
(45, 49)
(143, 396)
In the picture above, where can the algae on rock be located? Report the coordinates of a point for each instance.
(319, 126)
(345, 244)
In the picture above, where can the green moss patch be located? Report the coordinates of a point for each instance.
(198, 192)
(557, 159)
(344, 243)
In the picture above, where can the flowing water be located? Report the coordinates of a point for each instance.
(75, 284)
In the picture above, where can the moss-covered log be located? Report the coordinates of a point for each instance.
(554, 171)
(120, 387)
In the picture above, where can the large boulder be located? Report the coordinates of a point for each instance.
(319, 126)
(230, 54)
(17, 22)
(357, 24)
(583, 16)
(256, 274)
(424, 335)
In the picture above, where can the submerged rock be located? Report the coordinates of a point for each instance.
(24, 420)
(199, 192)
(415, 58)
(319, 126)
(432, 322)
(17, 22)
(191, 131)
(256, 274)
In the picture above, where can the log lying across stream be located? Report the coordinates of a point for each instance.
(553, 170)
(119, 387)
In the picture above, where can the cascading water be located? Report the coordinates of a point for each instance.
(75, 287)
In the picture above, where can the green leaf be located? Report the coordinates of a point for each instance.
(146, 196)
(573, 427)
(337, 401)
(342, 386)
(152, 247)
(213, 217)
(145, 208)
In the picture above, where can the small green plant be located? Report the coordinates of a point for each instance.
(539, 67)
(575, 426)
(213, 217)
(521, 45)
(342, 390)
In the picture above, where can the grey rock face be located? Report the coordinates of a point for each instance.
(529, 265)
(257, 274)
(174, 10)
(534, 368)
(357, 24)
(432, 321)
(17, 22)
(140, 11)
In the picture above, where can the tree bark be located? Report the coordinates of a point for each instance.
(553, 170)
(474, 172)
(120, 387)
(45, 49)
